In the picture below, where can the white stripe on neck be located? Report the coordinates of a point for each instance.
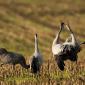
(36, 44)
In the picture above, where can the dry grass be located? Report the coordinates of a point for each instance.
(21, 19)
(49, 75)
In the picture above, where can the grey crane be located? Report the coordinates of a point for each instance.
(73, 46)
(7, 57)
(37, 59)
(66, 50)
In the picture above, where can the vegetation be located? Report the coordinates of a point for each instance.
(21, 19)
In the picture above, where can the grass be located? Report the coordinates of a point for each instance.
(21, 19)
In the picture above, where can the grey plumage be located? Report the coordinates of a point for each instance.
(36, 60)
(57, 50)
(67, 50)
(7, 57)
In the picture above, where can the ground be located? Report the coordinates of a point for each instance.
(20, 20)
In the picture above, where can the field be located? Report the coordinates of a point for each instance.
(21, 19)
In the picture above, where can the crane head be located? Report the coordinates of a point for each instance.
(3, 50)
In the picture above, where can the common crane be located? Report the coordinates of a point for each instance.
(36, 60)
(66, 50)
(73, 46)
(7, 57)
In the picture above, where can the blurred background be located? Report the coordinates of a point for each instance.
(21, 19)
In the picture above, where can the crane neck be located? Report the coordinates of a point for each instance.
(36, 44)
(56, 40)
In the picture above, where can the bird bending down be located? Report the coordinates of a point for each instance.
(7, 57)
(66, 50)
(36, 60)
